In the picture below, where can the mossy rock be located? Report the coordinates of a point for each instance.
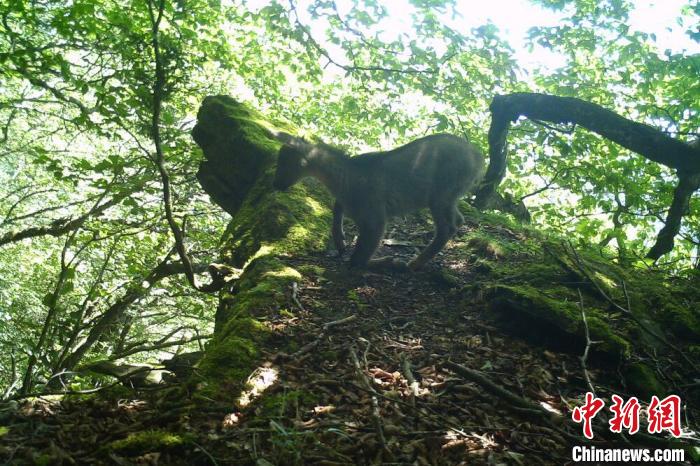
(536, 281)
(485, 247)
(279, 222)
(241, 329)
(261, 290)
(683, 320)
(229, 361)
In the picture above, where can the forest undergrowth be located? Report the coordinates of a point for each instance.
(370, 377)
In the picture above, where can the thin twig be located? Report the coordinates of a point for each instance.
(569, 130)
(307, 348)
(204, 450)
(165, 344)
(412, 384)
(66, 392)
(507, 395)
(295, 298)
(583, 358)
(376, 415)
(354, 67)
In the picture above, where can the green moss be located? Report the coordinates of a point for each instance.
(262, 288)
(534, 302)
(226, 354)
(44, 460)
(355, 298)
(694, 453)
(238, 146)
(287, 313)
(245, 327)
(311, 270)
(282, 404)
(485, 247)
(147, 441)
(230, 358)
(4, 430)
(292, 346)
(474, 215)
(223, 112)
(445, 278)
(279, 222)
(329, 355)
(556, 318)
(241, 330)
(112, 391)
(610, 341)
(683, 320)
(642, 381)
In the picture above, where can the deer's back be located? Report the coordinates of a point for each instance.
(431, 170)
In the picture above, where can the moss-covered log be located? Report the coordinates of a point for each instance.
(240, 148)
(530, 284)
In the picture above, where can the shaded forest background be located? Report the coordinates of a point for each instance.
(98, 99)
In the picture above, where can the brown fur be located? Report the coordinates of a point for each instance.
(434, 172)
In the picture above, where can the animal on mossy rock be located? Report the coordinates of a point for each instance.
(434, 171)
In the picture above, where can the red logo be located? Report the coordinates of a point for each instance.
(661, 415)
(665, 415)
(625, 415)
(587, 412)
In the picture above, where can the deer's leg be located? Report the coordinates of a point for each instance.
(445, 219)
(337, 230)
(459, 218)
(371, 230)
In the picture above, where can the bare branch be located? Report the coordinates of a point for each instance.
(157, 346)
(62, 226)
(23, 198)
(687, 185)
(589, 343)
(135, 290)
(158, 94)
(59, 94)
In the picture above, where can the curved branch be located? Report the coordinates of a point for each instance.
(156, 346)
(643, 139)
(59, 94)
(687, 185)
(354, 67)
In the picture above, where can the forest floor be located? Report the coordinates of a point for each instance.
(371, 388)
